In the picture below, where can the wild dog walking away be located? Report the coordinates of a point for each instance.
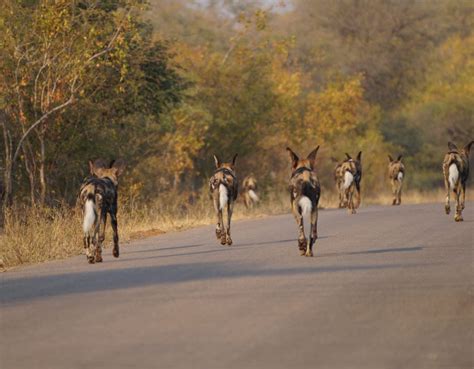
(396, 174)
(224, 189)
(249, 191)
(349, 175)
(305, 192)
(456, 173)
(98, 196)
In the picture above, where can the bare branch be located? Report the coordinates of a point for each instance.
(43, 118)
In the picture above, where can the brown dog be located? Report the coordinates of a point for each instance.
(396, 174)
(98, 196)
(224, 189)
(305, 192)
(249, 191)
(348, 177)
(456, 173)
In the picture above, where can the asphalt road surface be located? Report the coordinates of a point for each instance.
(390, 287)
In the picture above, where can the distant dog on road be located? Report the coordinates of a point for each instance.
(348, 176)
(305, 192)
(249, 191)
(396, 174)
(98, 196)
(224, 189)
(456, 173)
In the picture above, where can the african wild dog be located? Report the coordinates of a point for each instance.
(304, 196)
(349, 176)
(249, 191)
(224, 189)
(456, 173)
(98, 196)
(396, 174)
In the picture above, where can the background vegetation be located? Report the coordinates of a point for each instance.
(165, 84)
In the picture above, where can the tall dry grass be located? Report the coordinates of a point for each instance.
(33, 234)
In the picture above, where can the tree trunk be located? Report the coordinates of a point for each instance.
(6, 185)
(30, 170)
(42, 170)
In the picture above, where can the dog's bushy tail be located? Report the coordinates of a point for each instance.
(89, 214)
(223, 196)
(309, 198)
(453, 175)
(253, 195)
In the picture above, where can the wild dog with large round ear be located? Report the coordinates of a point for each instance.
(223, 186)
(305, 192)
(396, 175)
(98, 196)
(456, 174)
(249, 191)
(348, 175)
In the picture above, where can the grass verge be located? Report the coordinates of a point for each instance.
(33, 234)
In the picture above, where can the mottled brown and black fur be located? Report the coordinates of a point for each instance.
(305, 192)
(348, 175)
(396, 174)
(456, 173)
(98, 197)
(224, 190)
(249, 191)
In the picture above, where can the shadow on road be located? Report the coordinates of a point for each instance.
(374, 251)
(25, 289)
(162, 248)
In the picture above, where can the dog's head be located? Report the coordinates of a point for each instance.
(226, 165)
(296, 162)
(102, 169)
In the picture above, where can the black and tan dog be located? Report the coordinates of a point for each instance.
(224, 189)
(396, 174)
(98, 197)
(456, 173)
(305, 192)
(249, 191)
(348, 176)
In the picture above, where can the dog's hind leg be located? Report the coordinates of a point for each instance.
(350, 200)
(113, 222)
(230, 210)
(458, 214)
(447, 206)
(394, 192)
(98, 251)
(357, 191)
(399, 193)
(302, 242)
(313, 232)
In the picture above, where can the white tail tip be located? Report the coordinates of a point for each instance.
(348, 179)
(453, 175)
(306, 205)
(89, 216)
(223, 196)
(253, 195)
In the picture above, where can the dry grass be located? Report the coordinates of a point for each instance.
(33, 235)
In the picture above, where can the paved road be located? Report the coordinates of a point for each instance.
(390, 287)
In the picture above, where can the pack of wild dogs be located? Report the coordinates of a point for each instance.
(98, 194)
